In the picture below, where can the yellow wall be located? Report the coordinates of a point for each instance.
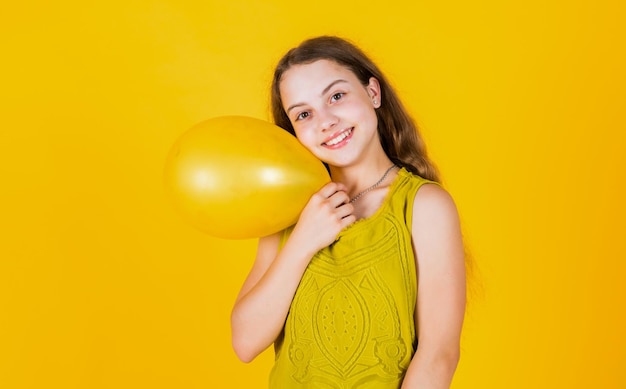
(103, 286)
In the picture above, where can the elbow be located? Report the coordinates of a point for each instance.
(250, 338)
(244, 357)
(441, 363)
(247, 347)
(449, 360)
(449, 356)
(242, 343)
(243, 351)
(455, 359)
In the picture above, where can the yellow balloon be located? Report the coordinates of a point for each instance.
(237, 177)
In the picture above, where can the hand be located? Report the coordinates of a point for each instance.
(327, 213)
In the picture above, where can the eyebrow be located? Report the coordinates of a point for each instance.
(321, 94)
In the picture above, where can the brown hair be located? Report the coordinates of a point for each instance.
(398, 133)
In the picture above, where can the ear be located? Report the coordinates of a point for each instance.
(373, 90)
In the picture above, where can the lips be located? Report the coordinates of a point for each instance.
(338, 139)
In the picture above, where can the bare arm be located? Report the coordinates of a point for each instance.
(440, 306)
(265, 297)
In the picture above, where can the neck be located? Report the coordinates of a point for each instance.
(361, 176)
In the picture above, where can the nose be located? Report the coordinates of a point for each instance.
(328, 119)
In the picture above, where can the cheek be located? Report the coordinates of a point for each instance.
(305, 137)
(369, 115)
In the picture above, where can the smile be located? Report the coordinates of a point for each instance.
(339, 138)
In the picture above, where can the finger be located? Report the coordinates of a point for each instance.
(338, 198)
(346, 221)
(329, 189)
(341, 186)
(345, 210)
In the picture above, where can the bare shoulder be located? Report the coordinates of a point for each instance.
(435, 227)
(436, 233)
(432, 202)
(440, 262)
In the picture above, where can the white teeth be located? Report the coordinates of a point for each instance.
(339, 138)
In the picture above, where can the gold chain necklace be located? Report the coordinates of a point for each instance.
(355, 198)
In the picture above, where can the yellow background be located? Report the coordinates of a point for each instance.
(102, 285)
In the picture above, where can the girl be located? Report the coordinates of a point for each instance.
(367, 289)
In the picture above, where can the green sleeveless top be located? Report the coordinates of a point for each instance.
(351, 321)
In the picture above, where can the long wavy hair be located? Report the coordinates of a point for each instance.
(398, 133)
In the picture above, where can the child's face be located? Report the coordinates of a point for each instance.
(332, 112)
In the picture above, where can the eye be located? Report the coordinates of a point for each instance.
(302, 115)
(337, 96)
